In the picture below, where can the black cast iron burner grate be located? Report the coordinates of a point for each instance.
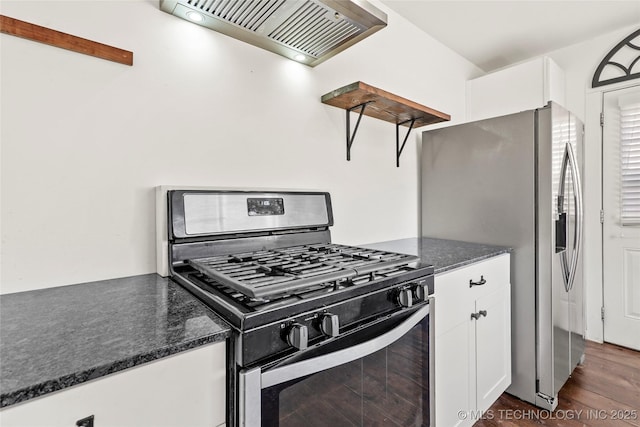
(268, 273)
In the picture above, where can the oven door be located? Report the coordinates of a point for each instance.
(378, 374)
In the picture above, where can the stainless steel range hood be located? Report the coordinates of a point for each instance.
(307, 31)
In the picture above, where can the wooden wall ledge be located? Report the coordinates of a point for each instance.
(371, 101)
(29, 31)
(383, 105)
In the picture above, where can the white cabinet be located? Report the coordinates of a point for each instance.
(186, 389)
(525, 86)
(472, 340)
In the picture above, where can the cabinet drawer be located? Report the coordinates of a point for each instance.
(455, 298)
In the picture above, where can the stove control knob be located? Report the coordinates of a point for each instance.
(404, 297)
(298, 336)
(330, 324)
(420, 292)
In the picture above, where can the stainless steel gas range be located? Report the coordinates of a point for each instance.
(323, 333)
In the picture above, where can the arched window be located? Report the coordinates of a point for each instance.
(621, 63)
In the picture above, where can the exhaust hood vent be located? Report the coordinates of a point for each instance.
(308, 31)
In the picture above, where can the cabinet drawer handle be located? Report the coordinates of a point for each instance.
(479, 314)
(479, 283)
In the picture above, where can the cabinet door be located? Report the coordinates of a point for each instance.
(455, 374)
(525, 86)
(493, 347)
(187, 389)
(472, 357)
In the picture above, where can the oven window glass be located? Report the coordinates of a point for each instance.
(389, 387)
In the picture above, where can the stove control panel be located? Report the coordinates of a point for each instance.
(309, 328)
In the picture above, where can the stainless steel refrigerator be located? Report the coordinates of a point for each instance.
(515, 181)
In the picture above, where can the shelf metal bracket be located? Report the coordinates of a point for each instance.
(399, 147)
(351, 136)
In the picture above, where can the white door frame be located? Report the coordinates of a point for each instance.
(593, 205)
(618, 328)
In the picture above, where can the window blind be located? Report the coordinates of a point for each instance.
(630, 163)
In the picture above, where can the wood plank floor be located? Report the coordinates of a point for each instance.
(605, 391)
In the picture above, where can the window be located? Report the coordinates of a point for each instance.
(630, 162)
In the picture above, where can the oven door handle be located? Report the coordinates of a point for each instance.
(326, 361)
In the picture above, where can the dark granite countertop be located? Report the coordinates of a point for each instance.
(443, 254)
(54, 338)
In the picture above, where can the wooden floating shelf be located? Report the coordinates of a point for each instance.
(383, 105)
(34, 32)
(371, 101)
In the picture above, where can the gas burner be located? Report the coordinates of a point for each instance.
(323, 249)
(285, 271)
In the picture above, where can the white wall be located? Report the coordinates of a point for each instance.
(579, 63)
(85, 141)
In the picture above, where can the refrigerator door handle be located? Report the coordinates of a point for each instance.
(577, 191)
(561, 230)
(569, 269)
